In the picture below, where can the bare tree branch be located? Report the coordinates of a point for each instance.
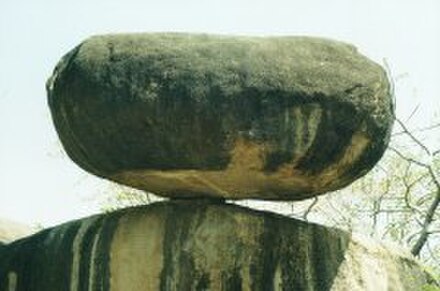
(429, 214)
(346, 220)
(408, 159)
(309, 209)
(409, 205)
(415, 250)
(413, 112)
(431, 127)
(416, 140)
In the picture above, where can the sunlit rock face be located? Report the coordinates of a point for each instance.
(200, 245)
(181, 115)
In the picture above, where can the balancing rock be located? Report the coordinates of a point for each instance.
(182, 115)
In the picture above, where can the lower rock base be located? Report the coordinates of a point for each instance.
(186, 245)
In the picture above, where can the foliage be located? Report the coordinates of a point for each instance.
(430, 288)
(123, 197)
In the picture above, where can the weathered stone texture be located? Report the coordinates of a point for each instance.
(198, 245)
(183, 115)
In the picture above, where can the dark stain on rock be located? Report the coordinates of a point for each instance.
(86, 254)
(65, 247)
(336, 128)
(294, 252)
(178, 266)
(330, 246)
(370, 156)
(101, 261)
(232, 280)
(203, 283)
(41, 262)
(263, 267)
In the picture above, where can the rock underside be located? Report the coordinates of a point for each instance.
(194, 245)
(277, 118)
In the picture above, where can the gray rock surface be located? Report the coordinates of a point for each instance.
(196, 245)
(180, 115)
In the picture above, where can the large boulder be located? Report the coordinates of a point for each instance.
(282, 118)
(200, 245)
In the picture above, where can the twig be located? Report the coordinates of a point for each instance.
(431, 127)
(309, 209)
(429, 218)
(408, 159)
(416, 140)
(413, 112)
(408, 188)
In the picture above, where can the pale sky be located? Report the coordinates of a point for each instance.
(38, 182)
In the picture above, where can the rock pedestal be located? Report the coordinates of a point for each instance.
(277, 118)
(190, 245)
(210, 117)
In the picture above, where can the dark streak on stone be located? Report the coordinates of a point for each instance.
(330, 246)
(306, 113)
(335, 131)
(232, 280)
(102, 255)
(294, 254)
(65, 261)
(32, 260)
(177, 233)
(264, 268)
(203, 283)
(86, 253)
(370, 156)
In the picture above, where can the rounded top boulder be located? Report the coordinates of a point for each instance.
(185, 116)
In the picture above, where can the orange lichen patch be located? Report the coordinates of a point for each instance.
(245, 178)
(330, 177)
